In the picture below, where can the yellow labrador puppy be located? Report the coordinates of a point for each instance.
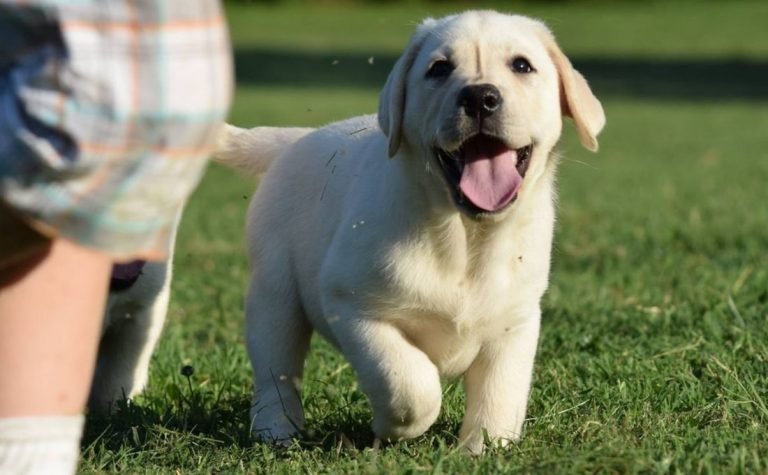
(416, 241)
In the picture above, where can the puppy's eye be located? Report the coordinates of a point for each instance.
(441, 68)
(521, 65)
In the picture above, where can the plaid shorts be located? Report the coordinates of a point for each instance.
(108, 112)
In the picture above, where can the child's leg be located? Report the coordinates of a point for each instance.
(50, 320)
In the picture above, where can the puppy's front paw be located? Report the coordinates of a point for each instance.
(475, 440)
(405, 423)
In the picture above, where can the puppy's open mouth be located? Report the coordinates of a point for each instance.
(484, 174)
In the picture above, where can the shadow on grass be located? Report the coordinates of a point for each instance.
(667, 78)
(681, 78)
(201, 417)
(202, 420)
(268, 67)
(137, 426)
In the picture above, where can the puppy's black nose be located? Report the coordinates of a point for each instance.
(480, 100)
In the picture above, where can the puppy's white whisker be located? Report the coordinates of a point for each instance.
(579, 162)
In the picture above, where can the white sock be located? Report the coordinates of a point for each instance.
(47, 445)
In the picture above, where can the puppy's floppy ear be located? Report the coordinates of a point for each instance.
(392, 97)
(576, 98)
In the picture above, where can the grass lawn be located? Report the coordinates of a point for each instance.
(654, 349)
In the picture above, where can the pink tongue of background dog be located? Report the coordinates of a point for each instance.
(125, 275)
(490, 179)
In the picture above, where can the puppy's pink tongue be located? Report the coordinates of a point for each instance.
(490, 179)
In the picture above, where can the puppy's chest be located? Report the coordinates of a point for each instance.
(449, 313)
(492, 289)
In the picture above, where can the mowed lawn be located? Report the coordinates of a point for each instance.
(654, 349)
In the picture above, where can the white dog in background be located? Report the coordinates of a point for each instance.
(133, 322)
(417, 242)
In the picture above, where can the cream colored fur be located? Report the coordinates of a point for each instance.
(372, 253)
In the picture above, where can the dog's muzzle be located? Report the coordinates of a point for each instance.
(484, 174)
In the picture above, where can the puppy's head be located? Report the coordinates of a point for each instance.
(482, 95)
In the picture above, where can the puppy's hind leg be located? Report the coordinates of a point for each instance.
(278, 336)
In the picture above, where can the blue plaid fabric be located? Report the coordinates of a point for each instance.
(108, 112)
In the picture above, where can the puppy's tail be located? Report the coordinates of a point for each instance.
(252, 151)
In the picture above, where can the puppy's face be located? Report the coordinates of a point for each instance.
(481, 95)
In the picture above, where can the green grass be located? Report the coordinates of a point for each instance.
(654, 349)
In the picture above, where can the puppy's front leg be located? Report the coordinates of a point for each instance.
(402, 384)
(497, 386)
